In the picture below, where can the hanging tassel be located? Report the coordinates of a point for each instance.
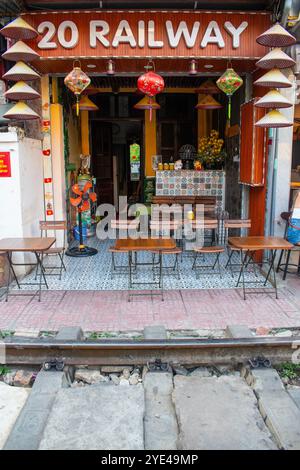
(229, 108)
(77, 105)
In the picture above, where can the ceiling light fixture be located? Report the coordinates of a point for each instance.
(193, 67)
(110, 69)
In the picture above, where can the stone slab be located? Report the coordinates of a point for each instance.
(98, 417)
(218, 414)
(28, 429)
(12, 400)
(155, 332)
(264, 381)
(238, 331)
(70, 333)
(160, 424)
(294, 392)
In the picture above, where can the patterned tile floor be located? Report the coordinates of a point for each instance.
(87, 297)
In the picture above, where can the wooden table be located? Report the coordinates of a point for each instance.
(249, 245)
(148, 244)
(35, 245)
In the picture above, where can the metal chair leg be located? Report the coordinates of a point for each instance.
(286, 265)
(279, 261)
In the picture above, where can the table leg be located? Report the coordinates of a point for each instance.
(39, 258)
(272, 269)
(242, 273)
(161, 275)
(9, 275)
(130, 273)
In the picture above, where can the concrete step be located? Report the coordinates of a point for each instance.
(218, 414)
(97, 417)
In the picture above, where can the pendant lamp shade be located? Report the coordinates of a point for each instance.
(276, 58)
(19, 29)
(273, 119)
(273, 79)
(208, 102)
(21, 71)
(276, 36)
(90, 90)
(273, 99)
(21, 91)
(21, 112)
(85, 104)
(145, 103)
(208, 88)
(20, 51)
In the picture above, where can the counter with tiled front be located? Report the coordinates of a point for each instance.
(192, 183)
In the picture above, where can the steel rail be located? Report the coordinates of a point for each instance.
(129, 352)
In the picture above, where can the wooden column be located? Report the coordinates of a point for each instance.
(85, 137)
(150, 142)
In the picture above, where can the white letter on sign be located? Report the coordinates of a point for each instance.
(127, 38)
(217, 38)
(152, 42)
(61, 34)
(235, 32)
(94, 34)
(182, 29)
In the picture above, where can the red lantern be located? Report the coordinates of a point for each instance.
(150, 84)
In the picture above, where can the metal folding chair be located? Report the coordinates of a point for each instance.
(58, 249)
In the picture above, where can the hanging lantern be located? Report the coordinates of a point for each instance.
(276, 36)
(276, 58)
(273, 119)
(19, 29)
(77, 81)
(229, 83)
(21, 91)
(85, 104)
(150, 84)
(21, 71)
(208, 88)
(20, 51)
(21, 112)
(208, 102)
(273, 99)
(146, 105)
(273, 79)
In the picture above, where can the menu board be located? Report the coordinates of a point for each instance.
(5, 169)
(135, 162)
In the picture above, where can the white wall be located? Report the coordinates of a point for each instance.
(21, 195)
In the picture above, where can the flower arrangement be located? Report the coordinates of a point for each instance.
(210, 151)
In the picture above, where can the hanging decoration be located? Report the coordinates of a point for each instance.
(208, 102)
(21, 91)
(77, 81)
(85, 104)
(208, 88)
(20, 51)
(19, 29)
(21, 112)
(229, 83)
(150, 83)
(276, 59)
(21, 71)
(144, 104)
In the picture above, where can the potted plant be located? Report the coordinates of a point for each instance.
(210, 151)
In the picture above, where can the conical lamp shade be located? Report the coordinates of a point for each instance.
(21, 91)
(85, 104)
(208, 102)
(276, 58)
(19, 29)
(146, 103)
(90, 90)
(273, 99)
(21, 71)
(21, 112)
(20, 51)
(276, 36)
(273, 119)
(208, 88)
(273, 79)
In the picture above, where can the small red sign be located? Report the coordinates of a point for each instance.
(5, 169)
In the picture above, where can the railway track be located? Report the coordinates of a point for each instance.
(24, 351)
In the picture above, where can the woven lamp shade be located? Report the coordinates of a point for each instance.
(208, 102)
(145, 103)
(20, 51)
(273, 119)
(85, 104)
(19, 29)
(273, 99)
(273, 79)
(21, 91)
(276, 36)
(90, 90)
(208, 88)
(276, 58)
(21, 71)
(21, 112)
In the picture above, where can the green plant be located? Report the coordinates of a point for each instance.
(210, 151)
(4, 370)
(289, 370)
(5, 333)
